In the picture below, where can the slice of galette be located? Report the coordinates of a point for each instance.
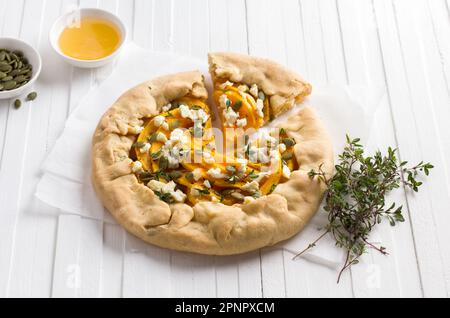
(250, 91)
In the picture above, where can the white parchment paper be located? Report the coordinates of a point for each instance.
(65, 183)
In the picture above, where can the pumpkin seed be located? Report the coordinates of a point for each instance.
(287, 156)
(14, 73)
(20, 78)
(237, 106)
(21, 72)
(137, 145)
(1, 87)
(17, 104)
(2, 55)
(7, 78)
(2, 75)
(31, 96)
(289, 142)
(238, 196)
(18, 53)
(5, 67)
(174, 175)
(9, 85)
(190, 176)
(163, 163)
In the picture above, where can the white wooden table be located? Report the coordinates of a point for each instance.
(400, 46)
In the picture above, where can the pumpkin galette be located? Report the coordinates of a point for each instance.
(176, 180)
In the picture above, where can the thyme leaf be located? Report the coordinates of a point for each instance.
(356, 197)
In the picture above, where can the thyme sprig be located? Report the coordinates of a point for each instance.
(356, 197)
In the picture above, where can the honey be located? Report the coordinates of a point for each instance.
(91, 39)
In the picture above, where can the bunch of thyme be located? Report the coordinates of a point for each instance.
(356, 197)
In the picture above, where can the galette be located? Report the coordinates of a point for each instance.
(221, 176)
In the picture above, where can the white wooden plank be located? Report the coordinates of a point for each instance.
(112, 260)
(428, 87)
(162, 20)
(78, 266)
(275, 264)
(259, 31)
(325, 64)
(412, 143)
(365, 67)
(440, 11)
(36, 229)
(239, 275)
(114, 235)
(147, 270)
(67, 271)
(197, 270)
(12, 160)
(143, 27)
(227, 277)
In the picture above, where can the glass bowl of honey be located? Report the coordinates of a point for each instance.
(88, 37)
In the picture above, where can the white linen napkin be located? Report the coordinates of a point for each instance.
(65, 183)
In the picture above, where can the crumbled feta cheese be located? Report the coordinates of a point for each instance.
(159, 120)
(223, 101)
(161, 138)
(230, 116)
(197, 173)
(216, 173)
(195, 192)
(194, 114)
(286, 172)
(136, 130)
(226, 84)
(178, 136)
(178, 196)
(185, 111)
(136, 166)
(167, 108)
(243, 88)
(251, 187)
(162, 187)
(282, 148)
(268, 140)
(248, 200)
(165, 126)
(263, 157)
(145, 148)
(261, 176)
(173, 162)
(207, 184)
(208, 157)
(241, 122)
(201, 115)
(260, 108)
(254, 90)
(211, 146)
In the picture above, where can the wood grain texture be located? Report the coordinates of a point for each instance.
(398, 48)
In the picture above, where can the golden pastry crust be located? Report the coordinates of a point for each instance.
(284, 87)
(206, 228)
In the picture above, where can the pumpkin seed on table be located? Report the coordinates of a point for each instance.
(31, 96)
(17, 103)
